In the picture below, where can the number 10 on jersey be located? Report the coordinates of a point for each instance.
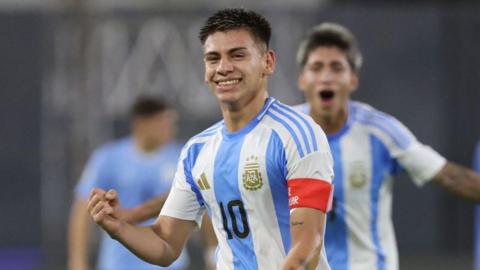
(229, 218)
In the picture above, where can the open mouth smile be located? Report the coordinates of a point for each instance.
(226, 83)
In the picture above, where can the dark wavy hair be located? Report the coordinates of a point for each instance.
(236, 18)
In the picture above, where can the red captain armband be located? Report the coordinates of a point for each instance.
(310, 193)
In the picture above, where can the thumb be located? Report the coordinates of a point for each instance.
(112, 197)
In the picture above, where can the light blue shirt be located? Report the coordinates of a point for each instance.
(137, 177)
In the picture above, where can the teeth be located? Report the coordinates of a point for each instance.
(229, 82)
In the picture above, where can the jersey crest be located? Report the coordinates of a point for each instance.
(252, 178)
(358, 176)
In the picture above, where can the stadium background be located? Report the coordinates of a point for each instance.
(69, 69)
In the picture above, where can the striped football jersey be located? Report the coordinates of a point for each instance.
(250, 180)
(367, 152)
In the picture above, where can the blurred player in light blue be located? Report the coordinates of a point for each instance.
(140, 167)
(476, 167)
(369, 147)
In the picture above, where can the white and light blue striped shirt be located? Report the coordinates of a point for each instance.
(367, 152)
(241, 178)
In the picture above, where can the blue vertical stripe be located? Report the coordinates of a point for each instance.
(227, 190)
(277, 174)
(296, 123)
(380, 159)
(188, 164)
(336, 237)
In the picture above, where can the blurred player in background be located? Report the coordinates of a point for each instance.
(140, 167)
(263, 173)
(368, 147)
(476, 167)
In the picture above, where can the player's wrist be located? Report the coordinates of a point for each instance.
(118, 229)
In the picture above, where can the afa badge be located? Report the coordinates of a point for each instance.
(358, 177)
(252, 178)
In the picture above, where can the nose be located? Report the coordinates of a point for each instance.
(225, 66)
(325, 76)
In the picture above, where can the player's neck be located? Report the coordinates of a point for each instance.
(331, 123)
(237, 117)
(145, 146)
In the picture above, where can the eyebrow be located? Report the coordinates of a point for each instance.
(318, 61)
(230, 51)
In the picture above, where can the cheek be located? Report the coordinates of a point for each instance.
(209, 72)
(308, 83)
(207, 76)
(346, 80)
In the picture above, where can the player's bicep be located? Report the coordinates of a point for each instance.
(306, 222)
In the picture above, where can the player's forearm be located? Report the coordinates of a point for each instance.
(460, 181)
(149, 209)
(78, 235)
(145, 243)
(304, 255)
(306, 227)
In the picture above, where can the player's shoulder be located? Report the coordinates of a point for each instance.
(109, 151)
(114, 147)
(205, 135)
(303, 108)
(296, 127)
(368, 115)
(192, 148)
(291, 116)
(173, 147)
(383, 123)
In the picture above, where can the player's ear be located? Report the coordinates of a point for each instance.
(354, 81)
(301, 81)
(270, 62)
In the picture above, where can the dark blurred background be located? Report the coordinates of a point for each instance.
(69, 70)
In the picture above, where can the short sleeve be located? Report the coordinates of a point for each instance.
(93, 175)
(184, 200)
(421, 162)
(309, 178)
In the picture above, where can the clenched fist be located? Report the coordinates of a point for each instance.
(103, 207)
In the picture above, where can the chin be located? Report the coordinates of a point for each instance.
(327, 110)
(226, 98)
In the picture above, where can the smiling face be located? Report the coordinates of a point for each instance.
(327, 81)
(236, 66)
